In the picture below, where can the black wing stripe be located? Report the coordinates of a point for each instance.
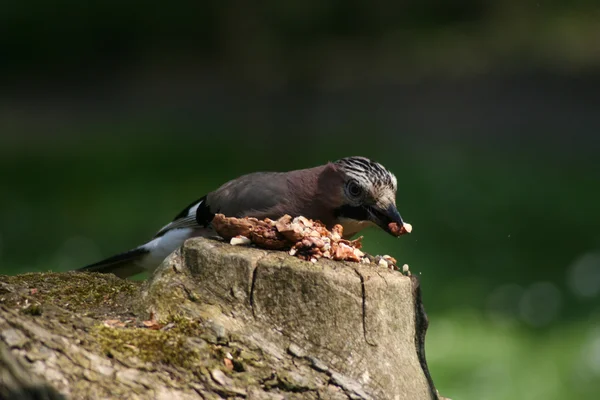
(186, 211)
(202, 217)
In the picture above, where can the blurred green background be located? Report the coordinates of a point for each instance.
(115, 115)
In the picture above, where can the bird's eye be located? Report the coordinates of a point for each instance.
(354, 189)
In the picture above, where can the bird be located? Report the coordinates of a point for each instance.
(355, 192)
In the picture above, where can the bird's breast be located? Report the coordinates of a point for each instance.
(352, 226)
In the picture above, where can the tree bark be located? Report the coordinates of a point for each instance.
(216, 321)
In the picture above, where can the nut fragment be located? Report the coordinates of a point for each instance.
(390, 259)
(240, 240)
(228, 228)
(398, 230)
(268, 238)
(386, 262)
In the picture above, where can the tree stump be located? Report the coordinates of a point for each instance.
(217, 321)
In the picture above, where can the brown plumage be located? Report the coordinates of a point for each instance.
(354, 192)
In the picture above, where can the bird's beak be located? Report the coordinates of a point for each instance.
(384, 216)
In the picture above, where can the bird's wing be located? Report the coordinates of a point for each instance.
(185, 222)
(194, 216)
(255, 194)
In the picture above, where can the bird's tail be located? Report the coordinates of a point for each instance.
(150, 255)
(122, 265)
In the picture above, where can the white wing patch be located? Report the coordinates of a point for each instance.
(161, 247)
(185, 222)
(193, 209)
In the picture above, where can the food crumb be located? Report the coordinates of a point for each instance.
(240, 240)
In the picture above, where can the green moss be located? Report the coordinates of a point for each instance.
(82, 292)
(33, 309)
(170, 347)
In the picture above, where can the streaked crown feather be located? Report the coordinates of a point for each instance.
(364, 169)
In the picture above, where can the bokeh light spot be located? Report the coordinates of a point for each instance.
(504, 301)
(540, 304)
(584, 275)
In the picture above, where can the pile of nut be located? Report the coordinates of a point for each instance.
(301, 237)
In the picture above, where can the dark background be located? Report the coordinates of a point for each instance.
(115, 115)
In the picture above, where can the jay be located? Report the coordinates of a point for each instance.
(354, 192)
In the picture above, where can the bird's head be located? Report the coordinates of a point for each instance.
(369, 195)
